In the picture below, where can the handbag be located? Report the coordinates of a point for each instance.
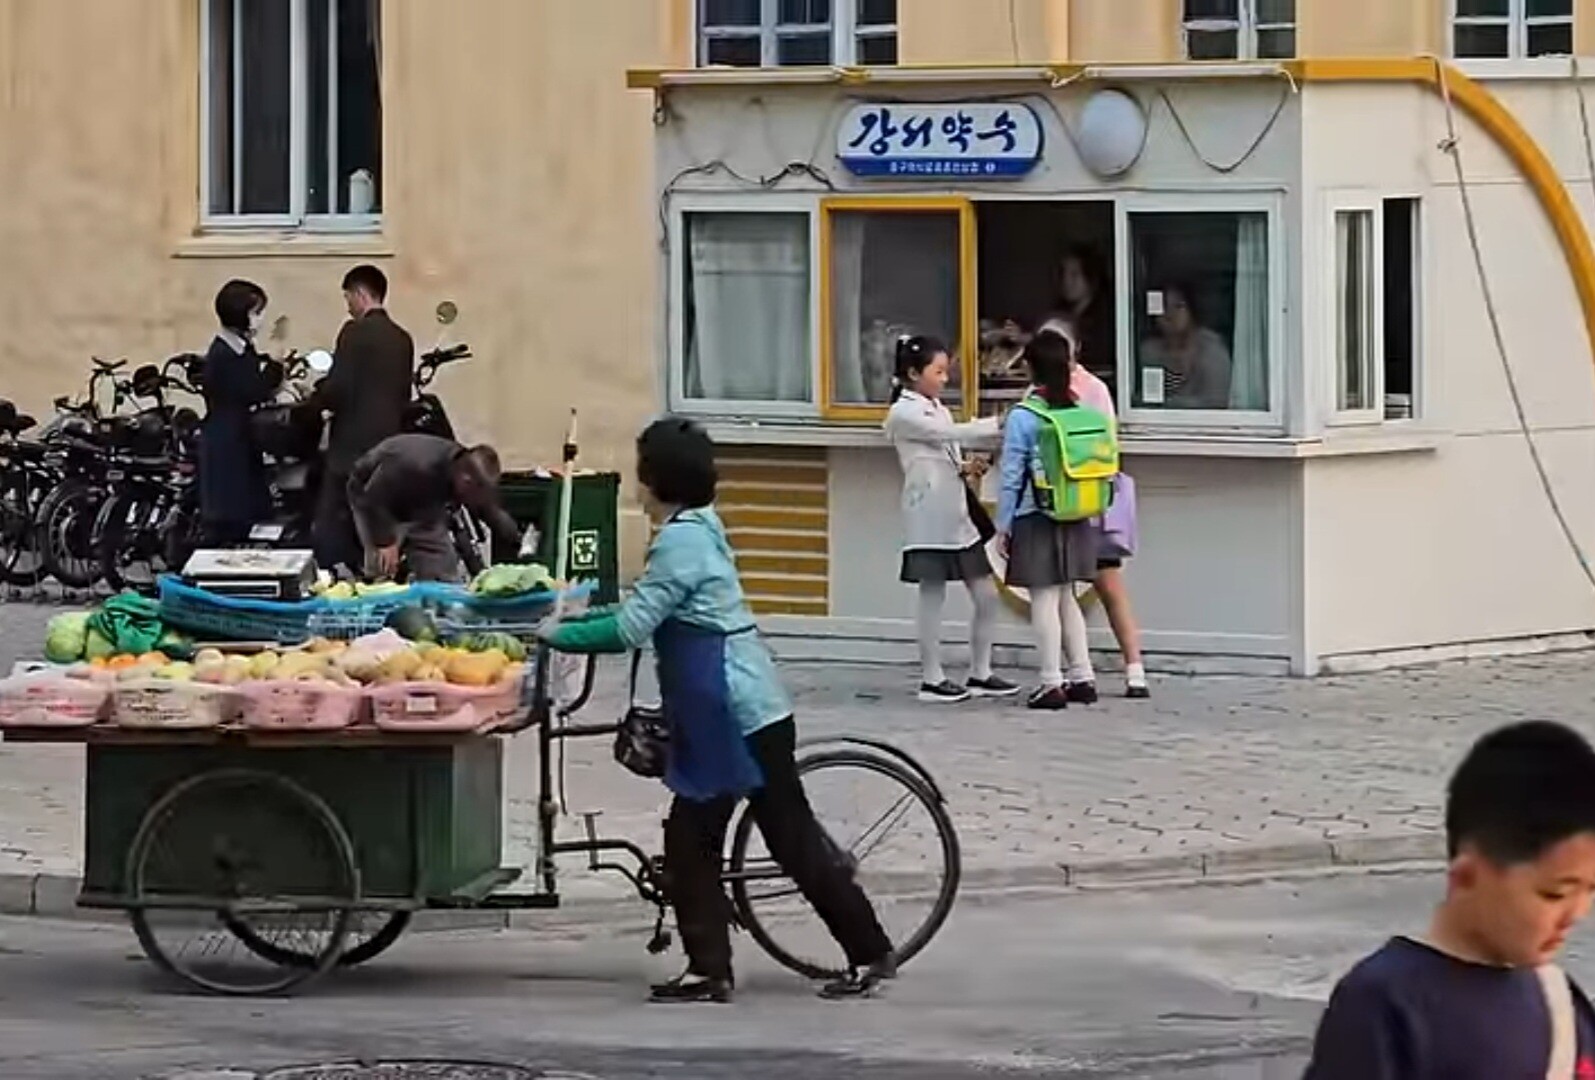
(642, 739)
(1119, 530)
(977, 509)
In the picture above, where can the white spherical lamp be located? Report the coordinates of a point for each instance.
(1112, 132)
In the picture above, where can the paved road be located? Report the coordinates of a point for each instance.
(1215, 772)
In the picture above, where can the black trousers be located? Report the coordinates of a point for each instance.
(333, 533)
(695, 834)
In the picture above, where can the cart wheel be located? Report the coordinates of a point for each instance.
(371, 933)
(241, 847)
(889, 831)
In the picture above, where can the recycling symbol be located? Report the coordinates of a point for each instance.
(584, 550)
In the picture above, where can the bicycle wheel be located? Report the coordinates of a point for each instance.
(66, 534)
(240, 847)
(126, 541)
(862, 801)
(21, 492)
(371, 933)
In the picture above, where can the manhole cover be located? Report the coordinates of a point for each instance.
(406, 1070)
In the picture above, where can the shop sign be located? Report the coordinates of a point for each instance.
(974, 141)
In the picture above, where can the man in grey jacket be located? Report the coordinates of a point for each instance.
(401, 493)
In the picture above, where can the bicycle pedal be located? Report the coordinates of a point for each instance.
(660, 942)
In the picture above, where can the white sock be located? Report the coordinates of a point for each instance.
(983, 631)
(1135, 674)
(932, 596)
(1046, 620)
(1076, 646)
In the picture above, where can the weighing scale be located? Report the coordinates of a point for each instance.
(252, 573)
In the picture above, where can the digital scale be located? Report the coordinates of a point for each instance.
(252, 573)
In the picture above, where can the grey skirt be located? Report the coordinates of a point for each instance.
(937, 566)
(1047, 552)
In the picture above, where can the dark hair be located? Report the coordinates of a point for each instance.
(1184, 291)
(236, 301)
(1090, 266)
(369, 278)
(675, 461)
(1520, 791)
(480, 465)
(914, 354)
(1051, 359)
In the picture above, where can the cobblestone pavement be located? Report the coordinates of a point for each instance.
(1215, 773)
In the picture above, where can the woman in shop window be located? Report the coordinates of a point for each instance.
(1090, 315)
(945, 526)
(1194, 360)
(1046, 556)
(1112, 588)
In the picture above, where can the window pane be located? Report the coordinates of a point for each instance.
(892, 273)
(1200, 309)
(734, 51)
(1274, 12)
(729, 13)
(803, 49)
(804, 12)
(321, 165)
(1401, 307)
(1483, 9)
(359, 115)
(1482, 42)
(1276, 44)
(878, 50)
(1550, 9)
(1211, 9)
(219, 106)
(746, 307)
(877, 12)
(1554, 39)
(1212, 44)
(1354, 310)
(263, 49)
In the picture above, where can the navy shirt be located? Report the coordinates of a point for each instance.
(1409, 1012)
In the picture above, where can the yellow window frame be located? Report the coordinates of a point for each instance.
(967, 347)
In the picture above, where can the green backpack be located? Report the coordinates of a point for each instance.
(1078, 453)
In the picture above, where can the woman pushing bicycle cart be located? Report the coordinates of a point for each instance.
(729, 728)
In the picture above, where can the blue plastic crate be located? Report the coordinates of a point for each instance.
(200, 612)
(461, 611)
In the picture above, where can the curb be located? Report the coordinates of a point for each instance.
(55, 895)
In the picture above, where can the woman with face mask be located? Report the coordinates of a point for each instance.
(233, 492)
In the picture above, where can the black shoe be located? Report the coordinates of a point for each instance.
(1049, 699)
(943, 693)
(688, 989)
(1081, 693)
(1138, 691)
(995, 686)
(860, 982)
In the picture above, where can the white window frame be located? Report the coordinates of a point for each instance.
(298, 133)
(844, 29)
(684, 203)
(1374, 413)
(1271, 205)
(1517, 21)
(1245, 25)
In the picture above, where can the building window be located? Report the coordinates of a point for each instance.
(746, 308)
(1200, 312)
(1240, 29)
(292, 113)
(782, 33)
(1511, 29)
(1376, 311)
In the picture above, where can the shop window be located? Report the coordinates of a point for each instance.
(1511, 29)
(1200, 313)
(796, 33)
(893, 267)
(1240, 29)
(746, 306)
(292, 124)
(1376, 311)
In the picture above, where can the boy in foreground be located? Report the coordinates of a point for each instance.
(1479, 998)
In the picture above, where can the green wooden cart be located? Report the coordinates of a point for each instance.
(252, 863)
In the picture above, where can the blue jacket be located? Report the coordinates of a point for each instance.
(1020, 456)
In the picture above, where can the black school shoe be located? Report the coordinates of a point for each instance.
(994, 687)
(692, 989)
(1081, 693)
(1049, 699)
(860, 982)
(943, 693)
(1138, 691)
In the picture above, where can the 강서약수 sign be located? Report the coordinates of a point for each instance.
(977, 141)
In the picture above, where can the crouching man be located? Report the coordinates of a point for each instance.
(402, 492)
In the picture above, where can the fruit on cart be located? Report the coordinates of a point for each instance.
(177, 671)
(475, 669)
(400, 667)
(263, 664)
(512, 579)
(97, 646)
(66, 637)
(508, 644)
(413, 624)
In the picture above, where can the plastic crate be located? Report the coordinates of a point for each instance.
(200, 612)
(171, 706)
(443, 707)
(462, 612)
(299, 705)
(52, 699)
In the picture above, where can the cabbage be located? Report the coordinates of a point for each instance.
(99, 647)
(66, 637)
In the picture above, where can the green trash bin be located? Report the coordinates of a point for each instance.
(594, 523)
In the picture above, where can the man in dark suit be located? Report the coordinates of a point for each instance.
(366, 393)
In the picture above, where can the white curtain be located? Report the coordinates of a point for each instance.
(749, 295)
(1249, 355)
(847, 307)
